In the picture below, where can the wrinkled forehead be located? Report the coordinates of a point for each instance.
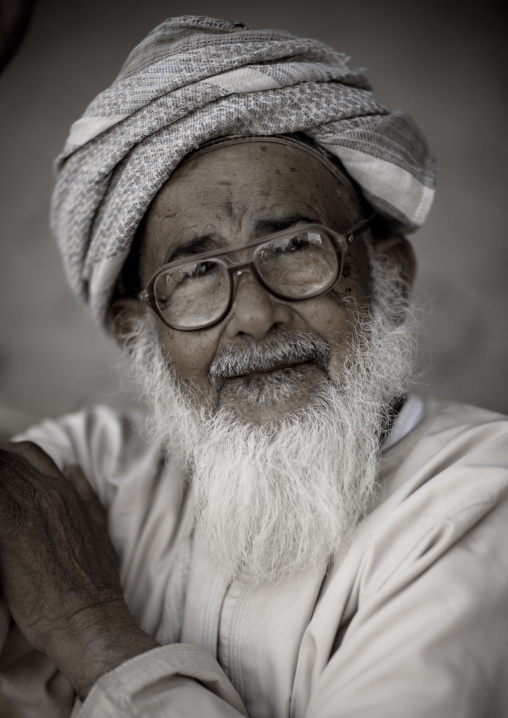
(282, 169)
(298, 141)
(247, 182)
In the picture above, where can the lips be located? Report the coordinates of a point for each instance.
(255, 371)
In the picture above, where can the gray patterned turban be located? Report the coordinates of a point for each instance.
(193, 79)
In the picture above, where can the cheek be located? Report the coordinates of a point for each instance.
(190, 355)
(335, 317)
(332, 318)
(339, 331)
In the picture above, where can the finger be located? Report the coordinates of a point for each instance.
(11, 511)
(76, 477)
(28, 474)
(16, 489)
(96, 511)
(33, 454)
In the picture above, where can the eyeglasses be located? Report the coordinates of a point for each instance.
(295, 264)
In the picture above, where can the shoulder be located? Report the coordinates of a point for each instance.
(447, 414)
(110, 446)
(449, 436)
(445, 487)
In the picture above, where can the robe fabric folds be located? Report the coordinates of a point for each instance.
(412, 621)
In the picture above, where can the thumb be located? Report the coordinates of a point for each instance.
(76, 477)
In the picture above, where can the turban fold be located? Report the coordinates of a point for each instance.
(193, 79)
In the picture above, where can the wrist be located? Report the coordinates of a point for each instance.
(99, 639)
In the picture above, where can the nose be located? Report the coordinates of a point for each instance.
(254, 310)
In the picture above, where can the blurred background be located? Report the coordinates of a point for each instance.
(443, 61)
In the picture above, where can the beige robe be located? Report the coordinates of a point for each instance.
(412, 622)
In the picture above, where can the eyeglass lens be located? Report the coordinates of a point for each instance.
(296, 266)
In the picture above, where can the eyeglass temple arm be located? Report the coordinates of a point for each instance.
(359, 229)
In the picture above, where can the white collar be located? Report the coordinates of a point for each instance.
(407, 418)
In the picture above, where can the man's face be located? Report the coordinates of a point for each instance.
(231, 196)
(284, 459)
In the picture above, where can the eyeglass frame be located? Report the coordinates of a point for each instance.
(340, 243)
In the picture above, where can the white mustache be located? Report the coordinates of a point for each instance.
(276, 350)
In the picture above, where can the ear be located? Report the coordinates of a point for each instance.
(399, 253)
(123, 318)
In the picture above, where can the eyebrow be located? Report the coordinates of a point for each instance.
(197, 245)
(267, 226)
(207, 242)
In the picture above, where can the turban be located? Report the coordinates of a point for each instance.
(194, 79)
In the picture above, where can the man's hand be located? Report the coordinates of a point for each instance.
(58, 568)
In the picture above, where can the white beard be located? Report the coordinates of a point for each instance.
(277, 499)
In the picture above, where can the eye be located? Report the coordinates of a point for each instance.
(202, 268)
(300, 241)
(283, 246)
(296, 243)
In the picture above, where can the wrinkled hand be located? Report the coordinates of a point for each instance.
(58, 568)
(56, 558)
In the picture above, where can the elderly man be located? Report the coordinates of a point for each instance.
(299, 535)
